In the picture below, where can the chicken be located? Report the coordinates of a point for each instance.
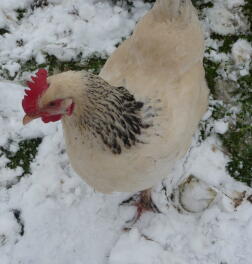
(125, 129)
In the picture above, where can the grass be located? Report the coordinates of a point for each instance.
(247, 11)
(211, 68)
(229, 40)
(92, 63)
(200, 5)
(237, 141)
(3, 31)
(27, 150)
(20, 13)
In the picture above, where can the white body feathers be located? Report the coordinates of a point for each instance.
(161, 63)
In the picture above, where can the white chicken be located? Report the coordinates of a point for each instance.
(125, 129)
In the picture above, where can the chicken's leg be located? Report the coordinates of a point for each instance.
(143, 202)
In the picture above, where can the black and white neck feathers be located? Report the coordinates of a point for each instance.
(110, 114)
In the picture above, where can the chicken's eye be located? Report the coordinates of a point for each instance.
(52, 104)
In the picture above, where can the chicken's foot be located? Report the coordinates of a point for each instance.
(143, 202)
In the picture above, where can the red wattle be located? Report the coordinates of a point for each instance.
(52, 118)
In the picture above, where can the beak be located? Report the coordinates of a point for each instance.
(27, 119)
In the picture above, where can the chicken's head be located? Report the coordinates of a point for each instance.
(36, 104)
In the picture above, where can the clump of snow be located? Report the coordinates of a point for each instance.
(224, 18)
(12, 68)
(207, 115)
(7, 5)
(234, 3)
(220, 126)
(223, 21)
(242, 52)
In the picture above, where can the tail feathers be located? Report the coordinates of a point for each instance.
(175, 9)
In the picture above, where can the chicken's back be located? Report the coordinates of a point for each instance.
(167, 45)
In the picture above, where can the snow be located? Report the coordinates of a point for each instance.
(234, 3)
(71, 28)
(220, 126)
(131, 248)
(67, 221)
(206, 217)
(242, 52)
(13, 4)
(223, 20)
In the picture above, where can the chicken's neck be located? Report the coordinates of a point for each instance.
(110, 114)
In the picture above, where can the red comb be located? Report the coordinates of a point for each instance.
(37, 87)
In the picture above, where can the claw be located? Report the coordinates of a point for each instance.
(143, 202)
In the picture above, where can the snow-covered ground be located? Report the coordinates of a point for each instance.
(52, 217)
